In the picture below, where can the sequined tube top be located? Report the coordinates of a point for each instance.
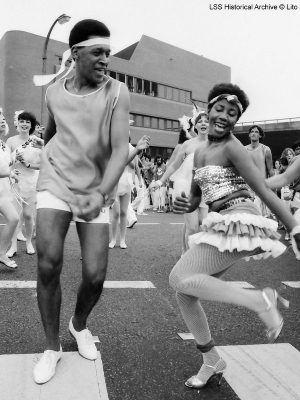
(217, 182)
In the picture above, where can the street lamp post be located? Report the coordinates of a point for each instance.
(62, 19)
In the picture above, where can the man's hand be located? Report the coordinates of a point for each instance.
(143, 143)
(181, 204)
(87, 207)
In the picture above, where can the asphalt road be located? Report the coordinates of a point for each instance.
(142, 354)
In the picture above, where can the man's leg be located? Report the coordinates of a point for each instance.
(52, 227)
(94, 247)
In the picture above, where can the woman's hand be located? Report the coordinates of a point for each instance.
(182, 204)
(295, 237)
(14, 174)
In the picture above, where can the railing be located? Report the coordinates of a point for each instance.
(268, 121)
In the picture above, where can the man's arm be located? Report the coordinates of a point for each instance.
(119, 143)
(50, 129)
(269, 163)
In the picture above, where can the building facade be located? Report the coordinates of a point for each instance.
(163, 81)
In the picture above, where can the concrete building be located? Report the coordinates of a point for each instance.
(163, 80)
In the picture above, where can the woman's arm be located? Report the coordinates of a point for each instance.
(291, 174)
(244, 164)
(173, 166)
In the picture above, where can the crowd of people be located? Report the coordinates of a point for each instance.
(84, 168)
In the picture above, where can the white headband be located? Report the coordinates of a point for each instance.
(231, 98)
(41, 80)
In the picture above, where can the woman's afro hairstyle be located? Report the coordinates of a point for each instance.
(86, 28)
(228, 88)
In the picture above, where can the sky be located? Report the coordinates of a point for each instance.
(260, 45)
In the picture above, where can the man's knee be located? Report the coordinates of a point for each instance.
(49, 266)
(95, 279)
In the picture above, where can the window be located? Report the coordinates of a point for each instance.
(169, 124)
(182, 96)
(161, 91)
(187, 97)
(147, 87)
(138, 120)
(169, 93)
(146, 122)
(113, 74)
(175, 124)
(138, 85)
(154, 89)
(175, 94)
(121, 77)
(154, 122)
(132, 117)
(130, 83)
(161, 123)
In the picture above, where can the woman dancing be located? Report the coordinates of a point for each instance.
(232, 230)
(181, 170)
(6, 198)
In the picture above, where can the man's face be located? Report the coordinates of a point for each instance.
(92, 62)
(254, 134)
(159, 161)
(297, 151)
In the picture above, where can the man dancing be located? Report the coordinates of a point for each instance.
(85, 154)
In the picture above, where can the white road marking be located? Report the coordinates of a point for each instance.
(293, 284)
(128, 284)
(148, 223)
(186, 336)
(263, 371)
(18, 284)
(107, 284)
(76, 378)
(241, 284)
(176, 223)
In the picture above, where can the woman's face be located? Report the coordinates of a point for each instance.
(24, 125)
(202, 124)
(222, 118)
(277, 164)
(289, 156)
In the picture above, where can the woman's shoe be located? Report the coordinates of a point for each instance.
(271, 316)
(7, 262)
(112, 244)
(206, 373)
(11, 252)
(29, 248)
(123, 245)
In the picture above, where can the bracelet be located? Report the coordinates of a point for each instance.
(27, 165)
(104, 195)
(159, 182)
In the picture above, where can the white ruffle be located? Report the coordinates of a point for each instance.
(224, 242)
(244, 218)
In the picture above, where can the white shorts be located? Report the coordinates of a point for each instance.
(46, 199)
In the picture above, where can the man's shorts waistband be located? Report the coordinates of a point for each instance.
(45, 199)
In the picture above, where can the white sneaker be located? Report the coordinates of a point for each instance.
(44, 370)
(85, 342)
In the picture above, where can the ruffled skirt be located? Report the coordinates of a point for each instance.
(241, 228)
